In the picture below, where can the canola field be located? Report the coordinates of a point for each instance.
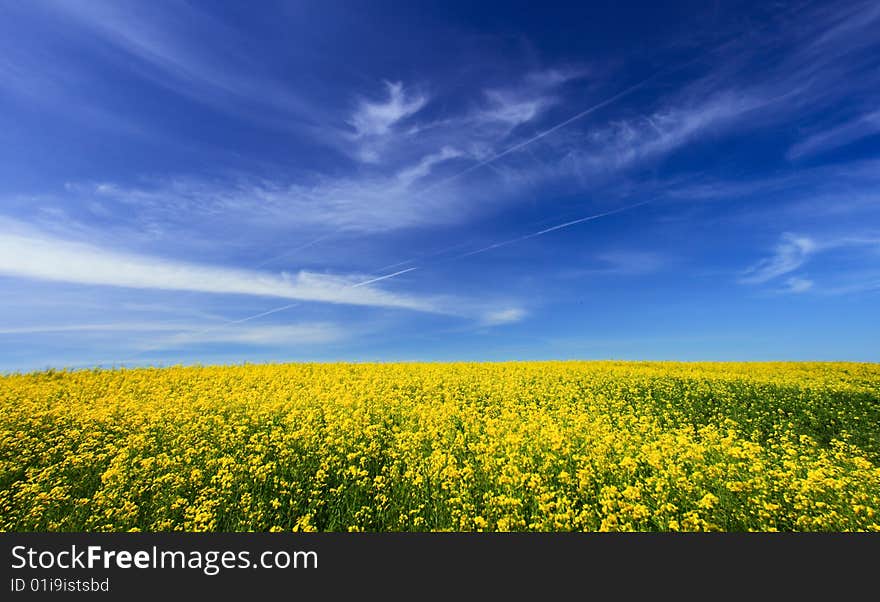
(543, 446)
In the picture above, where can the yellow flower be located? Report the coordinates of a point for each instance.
(382, 447)
(708, 501)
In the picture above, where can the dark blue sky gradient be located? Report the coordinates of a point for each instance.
(171, 171)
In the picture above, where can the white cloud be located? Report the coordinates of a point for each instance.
(864, 282)
(166, 43)
(377, 118)
(374, 123)
(504, 316)
(631, 261)
(91, 328)
(384, 198)
(162, 335)
(835, 137)
(550, 78)
(587, 159)
(318, 333)
(798, 285)
(423, 167)
(517, 104)
(793, 251)
(623, 143)
(510, 108)
(35, 256)
(365, 203)
(790, 253)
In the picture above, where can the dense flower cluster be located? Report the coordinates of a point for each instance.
(512, 446)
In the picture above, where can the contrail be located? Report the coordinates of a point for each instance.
(386, 277)
(546, 132)
(268, 312)
(476, 166)
(487, 162)
(503, 243)
(421, 257)
(581, 220)
(301, 247)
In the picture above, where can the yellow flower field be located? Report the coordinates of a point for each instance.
(545, 446)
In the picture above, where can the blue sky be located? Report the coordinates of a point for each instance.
(211, 182)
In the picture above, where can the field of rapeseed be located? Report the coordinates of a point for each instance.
(398, 447)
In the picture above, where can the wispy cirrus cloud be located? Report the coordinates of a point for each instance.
(402, 146)
(366, 204)
(392, 130)
(618, 262)
(376, 118)
(520, 103)
(794, 251)
(485, 148)
(631, 261)
(162, 335)
(623, 144)
(34, 256)
(27, 254)
(504, 316)
(274, 335)
(837, 136)
(373, 121)
(790, 253)
(855, 283)
(837, 193)
(166, 42)
(421, 169)
(110, 327)
(797, 285)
